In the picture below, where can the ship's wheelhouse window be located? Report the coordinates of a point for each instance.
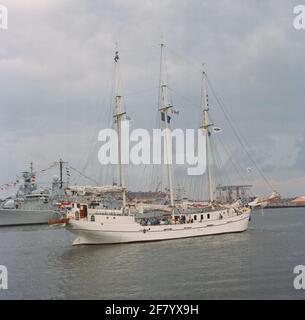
(208, 215)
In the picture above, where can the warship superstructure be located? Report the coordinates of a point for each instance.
(30, 205)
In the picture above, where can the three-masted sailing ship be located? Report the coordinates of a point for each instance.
(123, 225)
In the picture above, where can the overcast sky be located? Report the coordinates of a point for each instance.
(56, 70)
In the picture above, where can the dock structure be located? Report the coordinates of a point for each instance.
(230, 193)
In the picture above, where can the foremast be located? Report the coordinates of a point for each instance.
(118, 119)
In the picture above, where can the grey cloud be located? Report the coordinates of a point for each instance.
(56, 73)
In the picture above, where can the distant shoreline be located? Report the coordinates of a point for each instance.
(283, 206)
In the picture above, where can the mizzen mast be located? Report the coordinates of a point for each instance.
(206, 126)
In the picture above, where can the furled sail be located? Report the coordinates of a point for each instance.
(89, 190)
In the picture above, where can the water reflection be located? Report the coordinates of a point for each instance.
(255, 264)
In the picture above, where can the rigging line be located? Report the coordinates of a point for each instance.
(193, 65)
(229, 119)
(83, 175)
(226, 150)
(112, 88)
(233, 162)
(184, 98)
(160, 78)
(218, 162)
(152, 174)
(93, 141)
(157, 123)
(104, 172)
(260, 172)
(192, 182)
(230, 154)
(157, 126)
(195, 105)
(100, 115)
(238, 136)
(227, 174)
(144, 173)
(140, 92)
(93, 145)
(122, 87)
(51, 166)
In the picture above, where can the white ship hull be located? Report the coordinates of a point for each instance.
(88, 232)
(15, 217)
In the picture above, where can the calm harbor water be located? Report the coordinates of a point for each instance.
(258, 263)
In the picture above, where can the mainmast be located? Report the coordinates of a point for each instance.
(119, 116)
(165, 118)
(206, 125)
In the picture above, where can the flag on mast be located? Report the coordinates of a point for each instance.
(163, 117)
(175, 112)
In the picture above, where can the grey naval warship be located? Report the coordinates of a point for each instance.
(31, 206)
